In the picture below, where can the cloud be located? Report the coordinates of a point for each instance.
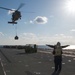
(1, 34)
(73, 30)
(41, 20)
(38, 20)
(31, 38)
(31, 21)
(40, 39)
(28, 35)
(25, 22)
(51, 16)
(28, 22)
(10, 12)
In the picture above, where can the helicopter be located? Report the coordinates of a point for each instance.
(15, 15)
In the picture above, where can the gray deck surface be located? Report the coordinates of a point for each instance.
(16, 62)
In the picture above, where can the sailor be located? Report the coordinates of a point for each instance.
(57, 52)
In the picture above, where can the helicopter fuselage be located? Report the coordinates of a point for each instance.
(16, 15)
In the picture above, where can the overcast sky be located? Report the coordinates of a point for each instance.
(43, 22)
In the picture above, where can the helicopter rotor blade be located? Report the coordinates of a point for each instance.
(27, 12)
(21, 5)
(6, 8)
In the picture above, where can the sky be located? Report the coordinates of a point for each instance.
(42, 22)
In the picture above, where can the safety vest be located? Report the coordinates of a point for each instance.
(58, 51)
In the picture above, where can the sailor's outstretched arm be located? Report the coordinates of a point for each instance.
(64, 46)
(52, 46)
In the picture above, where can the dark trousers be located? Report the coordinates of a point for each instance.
(58, 63)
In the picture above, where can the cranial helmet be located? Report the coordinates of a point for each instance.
(58, 43)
